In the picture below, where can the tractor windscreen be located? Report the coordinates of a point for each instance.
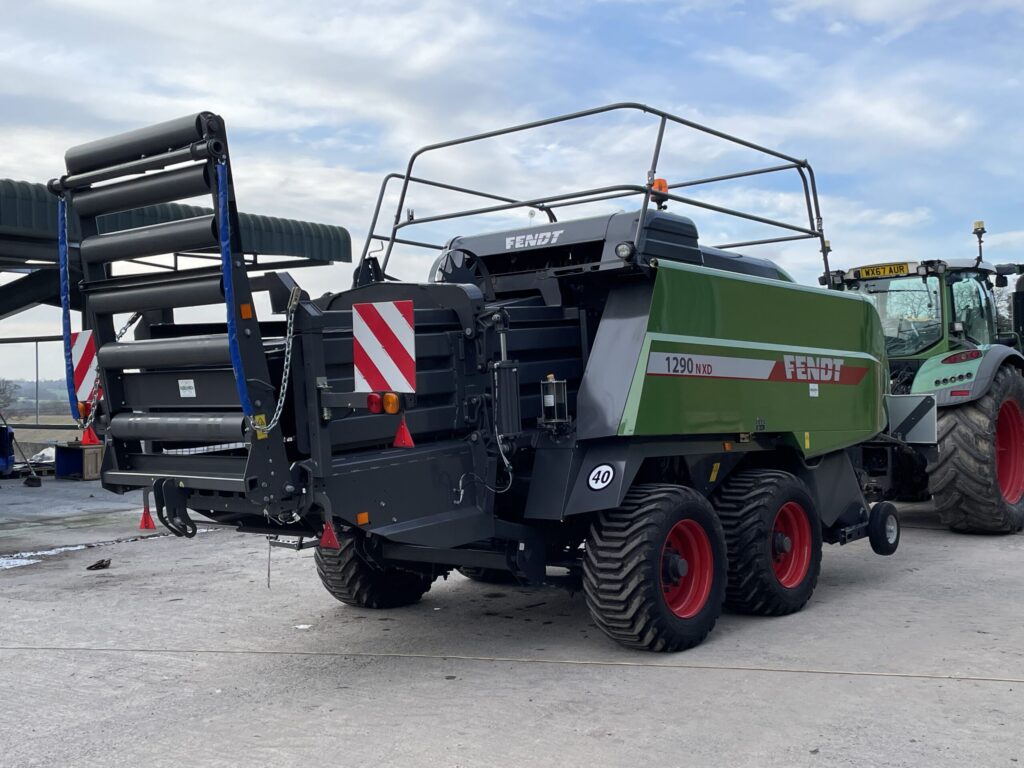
(910, 309)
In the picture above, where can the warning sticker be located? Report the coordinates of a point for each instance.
(186, 388)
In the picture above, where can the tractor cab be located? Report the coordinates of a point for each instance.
(935, 314)
(929, 307)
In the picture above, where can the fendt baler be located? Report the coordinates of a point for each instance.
(677, 425)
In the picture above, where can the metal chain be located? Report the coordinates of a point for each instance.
(94, 395)
(293, 303)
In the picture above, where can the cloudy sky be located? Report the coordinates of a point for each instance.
(910, 111)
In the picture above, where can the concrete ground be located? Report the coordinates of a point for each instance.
(62, 513)
(179, 654)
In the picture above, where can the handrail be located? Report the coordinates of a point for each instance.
(813, 230)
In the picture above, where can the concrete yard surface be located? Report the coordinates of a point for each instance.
(63, 513)
(179, 654)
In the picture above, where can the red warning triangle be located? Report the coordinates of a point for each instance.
(403, 439)
(89, 437)
(146, 523)
(329, 539)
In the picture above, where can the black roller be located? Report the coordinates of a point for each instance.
(151, 140)
(165, 353)
(172, 237)
(201, 150)
(183, 427)
(166, 187)
(170, 295)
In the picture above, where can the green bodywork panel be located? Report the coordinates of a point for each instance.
(726, 354)
(934, 375)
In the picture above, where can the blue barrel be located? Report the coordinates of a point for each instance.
(6, 451)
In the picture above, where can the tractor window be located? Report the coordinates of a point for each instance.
(910, 309)
(972, 306)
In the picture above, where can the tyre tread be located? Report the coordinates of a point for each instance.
(963, 480)
(353, 581)
(741, 505)
(618, 574)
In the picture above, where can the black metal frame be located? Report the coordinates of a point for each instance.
(201, 140)
(36, 341)
(547, 204)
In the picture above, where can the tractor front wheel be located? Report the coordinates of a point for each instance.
(353, 581)
(654, 569)
(978, 480)
(773, 535)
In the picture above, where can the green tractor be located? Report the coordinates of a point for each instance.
(942, 337)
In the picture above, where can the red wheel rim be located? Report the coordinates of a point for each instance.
(791, 544)
(1010, 451)
(687, 568)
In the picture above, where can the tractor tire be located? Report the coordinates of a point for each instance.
(353, 581)
(977, 481)
(773, 538)
(487, 575)
(654, 569)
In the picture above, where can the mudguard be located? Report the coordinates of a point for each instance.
(582, 477)
(959, 383)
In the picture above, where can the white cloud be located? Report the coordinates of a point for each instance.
(897, 17)
(772, 64)
(853, 105)
(1014, 239)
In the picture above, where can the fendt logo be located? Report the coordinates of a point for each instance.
(533, 240)
(808, 368)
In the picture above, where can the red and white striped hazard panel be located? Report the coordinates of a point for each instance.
(384, 346)
(83, 358)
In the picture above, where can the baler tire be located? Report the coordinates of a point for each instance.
(353, 581)
(965, 479)
(624, 576)
(750, 505)
(487, 575)
(884, 528)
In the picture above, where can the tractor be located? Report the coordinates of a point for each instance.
(942, 337)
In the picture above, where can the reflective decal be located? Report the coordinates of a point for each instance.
(601, 477)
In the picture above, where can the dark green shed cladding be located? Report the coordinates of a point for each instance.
(28, 240)
(28, 222)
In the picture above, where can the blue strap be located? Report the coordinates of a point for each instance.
(229, 288)
(65, 305)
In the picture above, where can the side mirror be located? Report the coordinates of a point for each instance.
(1007, 339)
